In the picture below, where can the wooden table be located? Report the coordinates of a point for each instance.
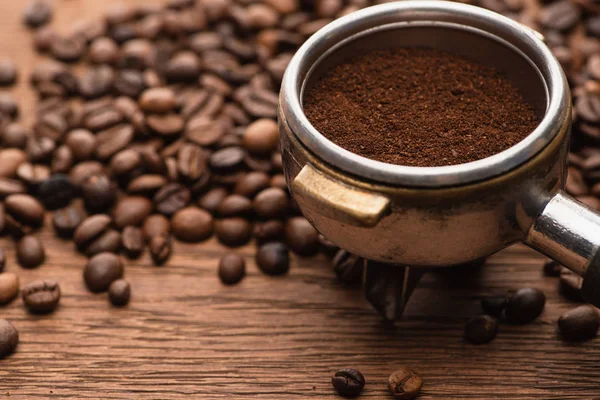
(184, 335)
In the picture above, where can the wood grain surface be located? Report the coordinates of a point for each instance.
(184, 335)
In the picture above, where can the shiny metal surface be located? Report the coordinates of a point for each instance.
(566, 231)
(384, 16)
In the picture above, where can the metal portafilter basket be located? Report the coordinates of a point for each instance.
(423, 217)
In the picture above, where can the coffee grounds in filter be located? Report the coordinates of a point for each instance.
(419, 107)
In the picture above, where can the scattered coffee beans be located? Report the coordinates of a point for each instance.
(580, 323)
(9, 287)
(232, 268)
(481, 329)
(119, 292)
(525, 305)
(419, 105)
(405, 384)
(101, 270)
(41, 296)
(348, 382)
(9, 338)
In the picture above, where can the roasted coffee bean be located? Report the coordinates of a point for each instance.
(33, 175)
(103, 50)
(192, 161)
(62, 160)
(251, 183)
(130, 83)
(133, 241)
(171, 198)
(82, 144)
(66, 221)
(131, 210)
(494, 305)
(234, 205)
(147, 184)
(10, 159)
(91, 229)
(561, 15)
(30, 252)
(166, 125)
(211, 200)
(41, 297)
(9, 338)
(273, 258)
(348, 268)
(233, 232)
(11, 186)
(119, 292)
(113, 140)
(37, 13)
(271, 203)
(525, 305)
(227, 159)
(552, 268)
(232, 268)
(160, 249)
(8, 106)
(268, 231)
(348, 382)
(481, 329)
(405, 384)
(570, 285)
(99, 192)
(52, 126)
(55, 192)
(184, 66)
(108, 241)
(15, 135)
(9, 287)
(326, 247)
(124, 162)
(101, 270)
(43, 38)
(301, 236)
(261, 137)
(96, 82)
(192, 224)
(155, 224)
(40, 149)
(102, 119)
(157, 100)
(580, 323)
(67, 49)
(8, 72)
(25, 209)
(204, 131)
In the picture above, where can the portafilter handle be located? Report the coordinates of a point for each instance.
(569, 232)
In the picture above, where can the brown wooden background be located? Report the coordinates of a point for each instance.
(184, 335)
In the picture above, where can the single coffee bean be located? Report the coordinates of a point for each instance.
(146, 184)
(43, 38)
(67, 49)
(234, 205)
(113, 140)
(24, 209)
(91, 229)
(192, 161)
(9, 338)
(33, 175)
(166, 125)
(204, 131)
(481, 329)
(133, 241)
(82, 144)
(15, 135)
(561, 15)
(37, 13)
(30, 252)
(184, 66)
(251, 183)
(570, 285)
(9, 287)
(405, 384)
(107, 241)
(131, 210)
(55, 192)
(99, 192)
(348, 268)
(8, 72)
(11, 186)
(348, 382)
(268, 231)
(119, 292)
(160, 248)
(301, 236)
(8, 106)
(525, 305)
(494, 305)
(171, 198)
(233, 232)
(10, 159)
(41, 297)
(211, 200)
(552, 268)
(192, 224)
(156, 224)
(157, 100)
(271, 203)
(101, 270)
(580, 323)
(62, 160)
(273, 258)
(66, 221)
(40, 149)
(227, 159)
(103, 50)
(232, 268)
(261, 137)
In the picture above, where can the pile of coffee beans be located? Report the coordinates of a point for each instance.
(403, 383)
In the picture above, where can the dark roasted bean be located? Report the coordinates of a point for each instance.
(41, 296)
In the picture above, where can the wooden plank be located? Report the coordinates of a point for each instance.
(184, 335)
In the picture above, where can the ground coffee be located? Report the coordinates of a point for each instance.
(419, 107)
